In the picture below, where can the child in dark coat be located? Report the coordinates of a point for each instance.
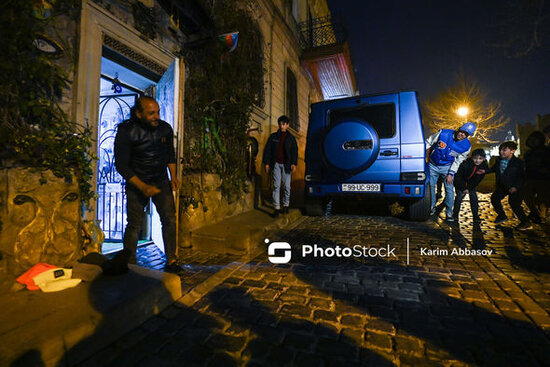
(537, 175)
(469, 175)
(510, 176)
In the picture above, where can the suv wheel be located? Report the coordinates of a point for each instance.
(419, 210)
(314, 207)
(351, 146)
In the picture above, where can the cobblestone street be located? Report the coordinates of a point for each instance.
(424, 307)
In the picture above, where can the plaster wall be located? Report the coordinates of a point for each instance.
(282, 51)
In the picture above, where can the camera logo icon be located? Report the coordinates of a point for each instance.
(279, 252)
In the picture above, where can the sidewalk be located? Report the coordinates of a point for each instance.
(239, 235)
(441, 310)
(64, 328)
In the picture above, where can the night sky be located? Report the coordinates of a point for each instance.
(423, 44)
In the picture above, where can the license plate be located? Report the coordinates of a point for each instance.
(367, 187)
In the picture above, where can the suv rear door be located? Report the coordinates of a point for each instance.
(380, 113)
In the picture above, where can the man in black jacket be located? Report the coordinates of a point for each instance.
(144, 149)
(281, 157)
(510, 174)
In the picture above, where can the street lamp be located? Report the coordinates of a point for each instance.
(463, 111)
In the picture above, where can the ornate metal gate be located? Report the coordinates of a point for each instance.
(111, 202)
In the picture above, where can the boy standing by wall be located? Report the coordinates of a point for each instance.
(281, 157)
(510, 174)
(469, 175)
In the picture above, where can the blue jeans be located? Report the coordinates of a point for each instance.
(278, 175)
(435, 172)
(164, 202)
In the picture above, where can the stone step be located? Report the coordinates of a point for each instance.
(66, 327)
(241, 234)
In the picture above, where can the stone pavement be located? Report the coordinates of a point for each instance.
(425, 309)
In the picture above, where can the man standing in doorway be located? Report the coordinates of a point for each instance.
(281, 157)
(144, 149)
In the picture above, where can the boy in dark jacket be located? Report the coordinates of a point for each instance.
(510, 174)
(281, 157)
(537, 175)
(469, 175)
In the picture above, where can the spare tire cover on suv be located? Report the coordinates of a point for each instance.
(351, 145)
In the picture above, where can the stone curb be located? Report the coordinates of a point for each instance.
(202, 289)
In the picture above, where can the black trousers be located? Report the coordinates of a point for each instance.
(514, 200)
(164, 202)
(474, 203)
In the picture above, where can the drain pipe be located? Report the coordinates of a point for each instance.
(271, 72)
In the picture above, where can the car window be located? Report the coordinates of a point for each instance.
(380, 116)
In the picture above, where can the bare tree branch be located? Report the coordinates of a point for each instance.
(522, 26)
(441, 111)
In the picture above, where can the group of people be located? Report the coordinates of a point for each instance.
(144, 154)
(447, 152)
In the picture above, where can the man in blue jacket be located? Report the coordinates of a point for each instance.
(446, 150)
(281, 157)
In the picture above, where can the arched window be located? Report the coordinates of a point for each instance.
(292, 99)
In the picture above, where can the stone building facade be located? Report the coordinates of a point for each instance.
(291, 84)
(123, 49)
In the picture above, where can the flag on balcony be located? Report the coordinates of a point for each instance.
(229, 40)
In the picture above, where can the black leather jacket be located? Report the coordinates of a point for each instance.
(144, 151)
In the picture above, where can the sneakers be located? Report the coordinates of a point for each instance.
(501, 219)
(173, 267)
(524, 225)
(452, 222)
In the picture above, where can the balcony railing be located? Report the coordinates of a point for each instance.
(320, 32)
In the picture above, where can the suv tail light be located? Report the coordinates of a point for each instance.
(413, 176)
(309, 178)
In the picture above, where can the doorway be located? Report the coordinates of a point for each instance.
(121, 83)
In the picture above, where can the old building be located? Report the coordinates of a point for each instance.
(119, 50)
(308, 61)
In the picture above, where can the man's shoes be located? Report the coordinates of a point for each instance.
(285, 210)
(173, 267)
(276, 213)
(450, 220)
(524, 225)
(501, 219)
(118, 264)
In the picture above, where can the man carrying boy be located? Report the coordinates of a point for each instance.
(469, 175)
(446, 149)
(509, 174)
